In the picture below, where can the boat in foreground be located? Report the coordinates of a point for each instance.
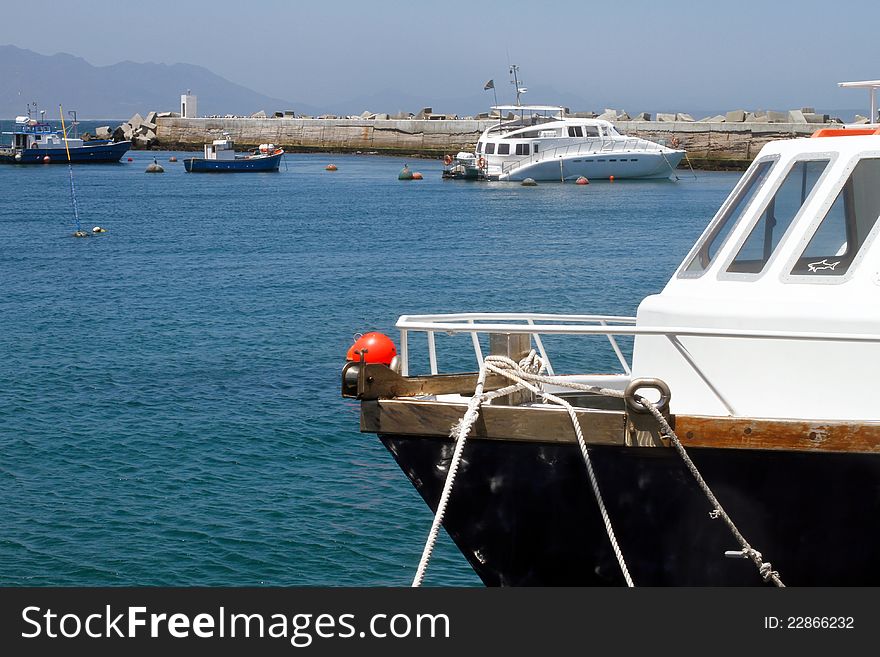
(741, 444)
(37, 142)
(220, 157)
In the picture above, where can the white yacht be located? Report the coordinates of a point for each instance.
(542, 143)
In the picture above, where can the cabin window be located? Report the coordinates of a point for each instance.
(777, 217)
(845, 227)
(591, 131)
(479, 147)
(575, 131)
(503, 149)
(522, 149)
(731, 213)
(490, 147)
(535, 148)
(531, 134)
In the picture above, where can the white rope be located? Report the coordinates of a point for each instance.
(515, 372)
(525, 375)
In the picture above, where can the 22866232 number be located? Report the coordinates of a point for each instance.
(820, 623)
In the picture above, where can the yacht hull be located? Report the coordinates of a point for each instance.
(524, 514)
(598, 166)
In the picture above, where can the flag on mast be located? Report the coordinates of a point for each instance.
(489, 85)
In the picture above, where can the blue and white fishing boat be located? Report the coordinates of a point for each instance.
(35, 141)
(220, 157)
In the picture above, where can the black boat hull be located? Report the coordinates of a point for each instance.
(524, 514)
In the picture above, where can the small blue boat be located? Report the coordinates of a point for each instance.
(37, 142)
(220, 157)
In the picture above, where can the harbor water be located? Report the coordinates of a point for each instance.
(169, 390)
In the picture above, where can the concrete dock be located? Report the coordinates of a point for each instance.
(710, 145)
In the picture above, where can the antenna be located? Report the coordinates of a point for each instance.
(514, 69)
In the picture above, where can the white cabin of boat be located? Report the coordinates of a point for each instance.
(32, 134)
(541, 142)
(787, 277)
(220, 149)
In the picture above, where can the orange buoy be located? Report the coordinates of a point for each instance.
(172, 159)
(47, 159)
(611, 178)
(375, 347)
(582, 181)
(130, 160)
(417, 175)
(330, 167)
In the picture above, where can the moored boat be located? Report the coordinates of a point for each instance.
(740, 433)
(35, 141)
(220, 157)
(464, 166)
(543, 143)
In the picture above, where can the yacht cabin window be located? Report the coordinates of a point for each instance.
(730, 215)
(575, 131)
(479, 147)
(777, 217)
(845, 227)
(503, 149)
(591, 131)
(522, 149)
(490, 147)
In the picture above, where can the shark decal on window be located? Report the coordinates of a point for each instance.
(822, 264)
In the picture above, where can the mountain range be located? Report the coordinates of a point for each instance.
(120, 90)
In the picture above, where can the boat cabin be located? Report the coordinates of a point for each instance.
(784, 284)
(32, 134)
(220, 149)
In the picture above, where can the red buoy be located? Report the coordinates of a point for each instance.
(47, 159)
(376, 348)
(417, 175)
(130, 160)
(582, 181)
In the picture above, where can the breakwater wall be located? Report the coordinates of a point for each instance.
(716, 145)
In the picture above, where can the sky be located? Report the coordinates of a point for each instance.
(635, 55)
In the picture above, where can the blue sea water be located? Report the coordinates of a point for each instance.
(169, 391)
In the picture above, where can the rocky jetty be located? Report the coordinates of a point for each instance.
(140, 131)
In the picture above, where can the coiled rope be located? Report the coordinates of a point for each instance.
(524, 375)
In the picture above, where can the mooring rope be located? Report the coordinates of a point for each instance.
(525, 375)
(515, 372)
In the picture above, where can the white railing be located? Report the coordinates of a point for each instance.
(536, 324)
(533, 324)
(597, 146)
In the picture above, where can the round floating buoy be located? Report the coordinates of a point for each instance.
(47, 159)
(130, 160)
(405, 173)
(375, 347)
(529, 182)
(172, 159)
(98, 229)
(581, 181)
(417, 175)
(18, 157)
(155, 167)
(611, 178)
(330, 167)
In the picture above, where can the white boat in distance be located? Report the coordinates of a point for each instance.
(542, 143)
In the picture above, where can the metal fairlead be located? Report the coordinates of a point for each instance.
(633, 401)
